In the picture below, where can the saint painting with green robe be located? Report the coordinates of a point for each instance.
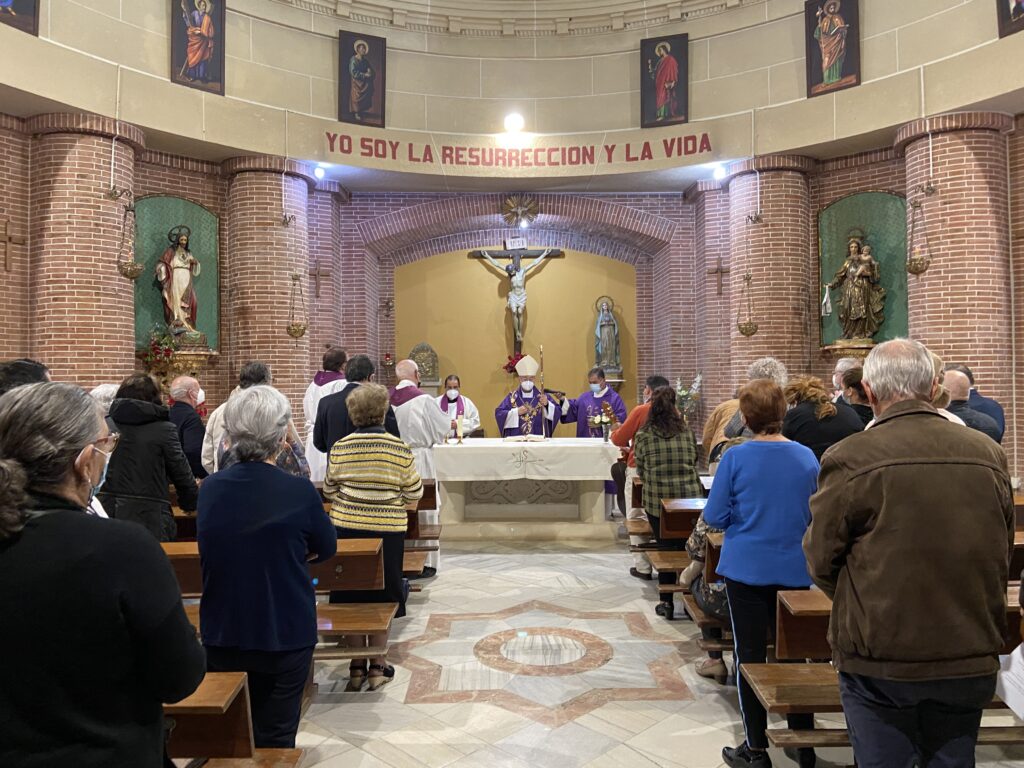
(831, 36)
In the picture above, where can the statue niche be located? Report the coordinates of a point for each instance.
(176, 272)
(862, 298)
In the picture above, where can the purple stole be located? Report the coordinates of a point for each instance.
(404, 395)
(460, 407)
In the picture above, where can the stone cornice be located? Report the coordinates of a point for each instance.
(84, 123)
(269, 164)
(948, 123)
(529, 20)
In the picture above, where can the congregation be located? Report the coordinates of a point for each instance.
(856, 489)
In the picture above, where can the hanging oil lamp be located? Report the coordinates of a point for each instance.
(918, 246)
(297, 326)
(747, 327)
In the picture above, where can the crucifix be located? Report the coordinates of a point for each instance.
(9, 239)
(516, 272)
(316, 274)
(719, 271)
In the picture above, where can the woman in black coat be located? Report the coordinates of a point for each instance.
(813, 419)
(150, 457)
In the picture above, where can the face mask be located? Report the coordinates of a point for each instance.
(201, 397)
(527, 386)
(453, 394)
(93, 490)
(595, 388)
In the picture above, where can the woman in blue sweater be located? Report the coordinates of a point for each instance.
(258, 527)
(760, 498)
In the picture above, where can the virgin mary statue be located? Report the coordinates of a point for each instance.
(606, 338)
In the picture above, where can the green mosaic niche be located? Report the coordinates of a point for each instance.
(882, 217)
(154, 218)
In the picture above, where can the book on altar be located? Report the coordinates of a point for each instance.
(524, 439)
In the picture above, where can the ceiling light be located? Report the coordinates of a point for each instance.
(523, 223)
(719, 173)
(318, 172)
(514, 122)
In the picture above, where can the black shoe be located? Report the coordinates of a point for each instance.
(640, 574)
(428, 572)
(804, 756)
(667, 610)
(745, 757)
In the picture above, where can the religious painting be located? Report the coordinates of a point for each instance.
(197, 44)
(664, 81)
(178, 244)
(862, 240)
(362, 73)
(1011, 16)
(21, 14)
(832, 44)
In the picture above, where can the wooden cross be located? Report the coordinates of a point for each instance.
(316, 274)
(9, 239)
(719, 271)
(519, 254)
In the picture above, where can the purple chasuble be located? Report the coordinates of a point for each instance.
(587, 404)
(326, 377)
(537, 424)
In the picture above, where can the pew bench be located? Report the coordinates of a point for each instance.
(679, 517)
(214, 721)
(413, 562)
(639, 528)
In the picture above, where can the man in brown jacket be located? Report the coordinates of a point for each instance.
(912, 529)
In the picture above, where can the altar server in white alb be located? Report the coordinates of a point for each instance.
(526, 411)
(326, 382)
(455, 404)
(422, 424)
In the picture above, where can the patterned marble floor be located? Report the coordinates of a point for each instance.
(537, 656)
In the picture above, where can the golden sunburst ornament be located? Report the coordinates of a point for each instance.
(519, 208)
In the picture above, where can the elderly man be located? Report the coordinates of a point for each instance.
(422, 424)
(912, 528)
(959, 388)
(979, 402)
(527, 411)
(187, 396)
(332, 421)
(251, 374)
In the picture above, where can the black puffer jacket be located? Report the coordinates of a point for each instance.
(147, 457)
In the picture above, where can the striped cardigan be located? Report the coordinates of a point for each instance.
(371, 476)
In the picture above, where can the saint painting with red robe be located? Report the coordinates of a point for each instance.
(200, 31)
(666, 75)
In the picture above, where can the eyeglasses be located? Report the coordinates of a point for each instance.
(112, 440)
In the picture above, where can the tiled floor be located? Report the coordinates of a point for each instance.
(536, 656)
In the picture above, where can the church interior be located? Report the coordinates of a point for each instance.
(585, 247)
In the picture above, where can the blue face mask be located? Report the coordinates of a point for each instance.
(103, 477)
(595, 388)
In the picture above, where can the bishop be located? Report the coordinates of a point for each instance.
(527, 411)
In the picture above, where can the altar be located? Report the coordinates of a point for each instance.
(553, 490)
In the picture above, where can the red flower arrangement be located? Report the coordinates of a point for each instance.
(159, 351)
(510, 366)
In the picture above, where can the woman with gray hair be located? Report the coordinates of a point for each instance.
(257, 527)
(108, 581)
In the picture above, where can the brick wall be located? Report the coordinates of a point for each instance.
(14, 205)
(711, 306)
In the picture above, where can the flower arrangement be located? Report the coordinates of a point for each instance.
(158, 354)
(513, 360)
(687, 399)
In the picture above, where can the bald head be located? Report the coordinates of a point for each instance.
(184, 388)
(957, 384)
(407, 370)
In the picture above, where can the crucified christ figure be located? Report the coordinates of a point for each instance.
(517, 290)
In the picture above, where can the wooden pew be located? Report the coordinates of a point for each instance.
(214, 721)
(262, 758)
(358, 564)
(185, 522)
(679, 517)
(636, 493)
(801, 628)
(1017, 560)
(1018, 506)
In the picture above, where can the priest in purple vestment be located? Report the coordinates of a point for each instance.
(526, 411)
(590, 404)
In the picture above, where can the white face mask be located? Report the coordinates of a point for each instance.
(201, 396)
(527, 386)
(452, 394)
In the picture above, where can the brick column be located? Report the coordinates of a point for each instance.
(776, 258)
(711, 306)
(960, 307)
(263, 254)
(81, 310)
(325, 250)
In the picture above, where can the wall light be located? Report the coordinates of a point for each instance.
(719, 173)
(514, 122)
(319, 173)
(523, 224)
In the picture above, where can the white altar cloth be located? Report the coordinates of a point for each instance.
(552, 490)
(565, 458)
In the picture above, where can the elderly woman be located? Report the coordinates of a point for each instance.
(257, 528)
(95, 701)
(813, 420)
(760, 498)
(150, 456)
(371, 476)
(764, 368)
(855, 395)
(666, 460)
